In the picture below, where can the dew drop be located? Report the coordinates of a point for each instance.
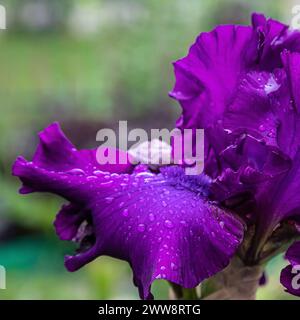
(144, 174)
(173, 266)
(90, 178)
(109, 199)
(221, 224)
(151, 217)
(76, 172)
(98, 173)
(123, 185)
(271, 134)
(169, 224)
(262, 128)
(141, 227)
(106, 183)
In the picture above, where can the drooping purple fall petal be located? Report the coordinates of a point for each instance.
(161, 223)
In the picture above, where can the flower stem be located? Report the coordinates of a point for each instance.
(236, 282)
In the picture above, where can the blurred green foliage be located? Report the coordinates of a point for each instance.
(119, 68)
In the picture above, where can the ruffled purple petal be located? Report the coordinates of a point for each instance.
(290, 275)
(207, 78)
(56, 152)
(286, 103)
(236, 76)
(252, 109)
(274, 37)
(160, 223)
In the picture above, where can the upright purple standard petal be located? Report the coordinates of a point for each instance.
(160, 223)
(207, 78)
(236, 76)
(274, 37)
(290, 275)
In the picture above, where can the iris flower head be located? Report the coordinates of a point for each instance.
(241, 85)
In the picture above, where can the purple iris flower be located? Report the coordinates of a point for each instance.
(241, 84)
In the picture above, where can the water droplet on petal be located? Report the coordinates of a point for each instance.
(141, 227)
(169, 224)
(109, 199)
(271, 134)
(90, 178)
(262, 128)
(125, 212)
(76, 172)
(162, 268)
(144, 174)
(222, 224)
(173, 266)
(98, 173)
(106, 183)
(151, 217)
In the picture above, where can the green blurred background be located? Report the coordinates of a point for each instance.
(89, 64)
